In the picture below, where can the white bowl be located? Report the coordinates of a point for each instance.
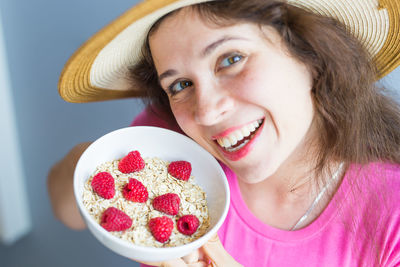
(166, 145)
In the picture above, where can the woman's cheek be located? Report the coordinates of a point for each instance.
(183, 119)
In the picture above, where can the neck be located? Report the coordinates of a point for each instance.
(290, 183)
(284, 197)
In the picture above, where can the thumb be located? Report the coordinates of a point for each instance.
(216, 253)
(171, 263)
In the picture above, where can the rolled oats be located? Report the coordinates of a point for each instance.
(156, 179)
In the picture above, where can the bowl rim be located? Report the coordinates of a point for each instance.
(129, 245)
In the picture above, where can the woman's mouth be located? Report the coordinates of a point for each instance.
(233, 144)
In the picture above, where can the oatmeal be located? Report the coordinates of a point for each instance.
(155, 177)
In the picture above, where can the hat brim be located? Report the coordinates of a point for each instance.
(97, 71)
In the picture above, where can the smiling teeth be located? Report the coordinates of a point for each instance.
(239, 134)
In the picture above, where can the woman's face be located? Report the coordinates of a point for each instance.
(235, 91)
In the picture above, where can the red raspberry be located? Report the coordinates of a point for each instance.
(180, 169)
(103, 185)
(161, 228)
(187, 224)
(114, 219)
(167, 203)
(135, 191)
(131, 163)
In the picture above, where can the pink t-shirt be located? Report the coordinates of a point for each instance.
(340, 236)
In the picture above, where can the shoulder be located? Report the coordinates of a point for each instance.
(374, 188)
(389, 186)
(373, 206)
(379, 175)
(152, 117)
(379, 180)
(391, 169)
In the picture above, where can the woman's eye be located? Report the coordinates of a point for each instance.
(227, 61)
(179, 86)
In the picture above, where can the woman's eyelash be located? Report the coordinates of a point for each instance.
(172, 89)
(230, 59)
(225, 61)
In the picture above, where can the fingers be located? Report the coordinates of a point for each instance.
(176, 263)
(216, 253)
(171, 263)
(212, 254)
(192, 257)
(198, 264)
(190, 260)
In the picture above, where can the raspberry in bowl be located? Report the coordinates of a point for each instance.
(150, 194)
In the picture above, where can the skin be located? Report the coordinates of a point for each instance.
(219, 85)
(222, 97)
(61, 190)
(221, 79)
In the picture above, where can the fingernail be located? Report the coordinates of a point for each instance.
(215, 238)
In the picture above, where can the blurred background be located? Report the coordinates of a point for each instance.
(36, 39)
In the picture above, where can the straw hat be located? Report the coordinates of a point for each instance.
(98, 69)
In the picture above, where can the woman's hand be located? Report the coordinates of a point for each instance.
(211, 254)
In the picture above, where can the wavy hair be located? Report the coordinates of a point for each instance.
(356, 121)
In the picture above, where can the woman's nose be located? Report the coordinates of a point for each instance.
(212, 105)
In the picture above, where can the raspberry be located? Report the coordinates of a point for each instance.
(167, 203)
(135, 191)
(103, 185)
(114, 219)
(180, 169)
(187, 224)
(161, 228)
(131, 163)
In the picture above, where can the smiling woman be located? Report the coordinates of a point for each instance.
(285, 99)
(212, 105)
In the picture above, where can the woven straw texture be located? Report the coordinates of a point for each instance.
(97, 70)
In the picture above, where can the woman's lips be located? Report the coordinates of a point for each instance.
(236, 143)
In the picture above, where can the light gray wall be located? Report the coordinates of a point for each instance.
(40, 36)
(392, 83)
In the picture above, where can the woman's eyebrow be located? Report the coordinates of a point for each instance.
(166, 74)
(205, 52)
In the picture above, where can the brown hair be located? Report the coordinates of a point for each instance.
(356, 121)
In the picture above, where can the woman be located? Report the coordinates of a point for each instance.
(286, 100)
